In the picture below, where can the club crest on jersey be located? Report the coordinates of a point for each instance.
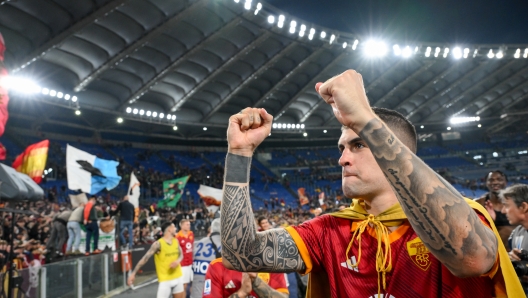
(265, 277)
(419, 254)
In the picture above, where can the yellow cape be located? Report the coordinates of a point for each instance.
(318, 282)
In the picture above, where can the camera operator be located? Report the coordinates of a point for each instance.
(515, 206)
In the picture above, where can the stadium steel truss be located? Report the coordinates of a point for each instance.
(196, 62)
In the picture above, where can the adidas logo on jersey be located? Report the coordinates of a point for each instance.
(353, 262)
(230, 285)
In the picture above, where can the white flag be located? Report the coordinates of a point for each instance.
(211, 196)
(134, 190)
(76, 200)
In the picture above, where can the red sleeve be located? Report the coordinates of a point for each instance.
(310, 232)
(213, 279)
(87, 209)
(278, 282)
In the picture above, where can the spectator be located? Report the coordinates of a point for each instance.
(126, 221)
(74, 230)
(59, 232)
(92, 228)
(263, 224)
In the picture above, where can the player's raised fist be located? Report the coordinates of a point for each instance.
(247, 130)
(346, 95)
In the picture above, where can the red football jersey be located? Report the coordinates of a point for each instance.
(323, 242)
(222, 282)
(186, 243)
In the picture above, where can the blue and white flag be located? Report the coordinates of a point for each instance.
(88, 173)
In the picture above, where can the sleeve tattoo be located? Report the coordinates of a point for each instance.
(154, 248)
(242, 247)
(264, 290)
(447, 225)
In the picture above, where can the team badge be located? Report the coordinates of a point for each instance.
(419, 254)
(265, 277)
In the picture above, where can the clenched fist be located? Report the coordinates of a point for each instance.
(346, 95)
(247, 130)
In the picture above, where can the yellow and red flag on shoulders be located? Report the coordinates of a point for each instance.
(33, 160)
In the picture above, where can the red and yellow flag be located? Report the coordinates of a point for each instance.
(33, 160)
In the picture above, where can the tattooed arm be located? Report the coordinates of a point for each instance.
(153, 249)
(243, 248)
(264, 290)
(447, 225)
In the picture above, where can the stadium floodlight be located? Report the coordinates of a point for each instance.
(274, 125)
(375, 48)
(169, 116)
(479, 126)
(78, 112)
(297, 126)
(175, 127)
(141, 112)
(67, 96)
(407, 52)
(323, 34)
(288, 125)
(280, 23)
(355, 44)
(135, 111)
(446, 51)
(53, 93)
(259, 7)
(332, 38)
(302, 126)
(149, 113)
(60, 95)
(437, 51)
(173, 117)
(345, 45)
(161, 115)
(312, 31)
(525, 55)
(45, 91)
(428, 52)
(517, 54)
(301, 33)
(129, 110)
(271, 19)
(236, 1)
(457, 53)
(305, 134)
(22, 85)
(466, 53)
(495, 154)
(205, 128)
(499, 55)
(74, 99)
(396, 49)
(448, 128)
(458, 120)
(247, 4)
(154, 114)
(279, 125)
(293, 26)
(491, 54)
(119, 120)
(324, 131)
(422, 127)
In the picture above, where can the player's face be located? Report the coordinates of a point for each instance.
(362, 177)
(172, 230)
(495, 182)
(515, 214)
(186, 226)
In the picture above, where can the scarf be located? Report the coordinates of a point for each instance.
(318, 285)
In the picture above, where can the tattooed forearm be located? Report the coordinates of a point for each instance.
(153, 249)
(447, 225)
(244, 249)
(264, 290)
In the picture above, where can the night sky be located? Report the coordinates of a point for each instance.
(450, 21)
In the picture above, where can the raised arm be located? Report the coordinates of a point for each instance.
(154, 248)
(244, 249)
(447, 225)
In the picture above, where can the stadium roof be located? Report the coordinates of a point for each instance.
(199, 61)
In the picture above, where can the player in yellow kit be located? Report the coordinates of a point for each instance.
(167, 257)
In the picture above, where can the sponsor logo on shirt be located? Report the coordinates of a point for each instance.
(200, 267)
(348, 264)
(419, 254)
(230, 285)
(207, 287)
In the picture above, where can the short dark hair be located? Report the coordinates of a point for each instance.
(165, 225)
(498, 172)
(260, 219)
(401, 126)
(518, 193)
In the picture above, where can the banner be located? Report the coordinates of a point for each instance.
(33, 160)
(172, 191)
(303, 199)
(211, 196)
(88, 173)
(105, 239)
